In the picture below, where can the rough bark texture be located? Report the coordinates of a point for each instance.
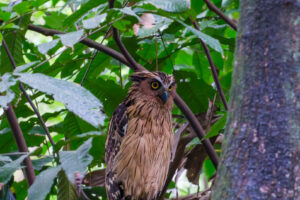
(261, 150)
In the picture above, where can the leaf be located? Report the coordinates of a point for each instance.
(76, 161)
(6, 99)
(215, 129)
(66, 190)
(38, 164)
(8, 169)
(42, 184)
(174, 6)
(25, 66)
(69, 39)
(94, 21)
(45, 47)
(82, 11)
(6, 81)
(212, 42)
(77, 99)
(129, 11)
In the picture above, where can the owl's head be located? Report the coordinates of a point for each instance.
(155, 86)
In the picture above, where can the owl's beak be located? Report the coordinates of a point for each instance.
(163, 96)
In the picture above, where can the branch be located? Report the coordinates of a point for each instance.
(180, 103)
(212, 7)
(19, 138)
(88, 42)
(27, 96)
(213, 69)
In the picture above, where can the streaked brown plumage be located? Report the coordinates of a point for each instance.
(139, 139)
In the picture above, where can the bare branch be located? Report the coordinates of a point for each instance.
(19, 138)
(213, 69)
(212, 7)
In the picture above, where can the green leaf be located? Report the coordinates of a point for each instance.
(76, 161)
(82, 11)
(45, 47)
(76, 98)
(38, 164)
(6, 81)
(129, 11)
(215, 129)
(174, 6)
(42, 184)
(7, 98)
(69, 39)
(94, 21)
(213, 43)
(25, 66)
(8, 169)
(66, 190)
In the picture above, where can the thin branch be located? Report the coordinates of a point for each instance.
(137, 67)
(197, 128)
(88, 69)
(163, 42)
(213, 69)
(212, 7)
(19, 138)
(27, 96)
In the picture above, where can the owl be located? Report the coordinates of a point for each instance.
(140, 138)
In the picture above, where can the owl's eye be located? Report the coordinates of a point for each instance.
(155, 85)
(171, 88)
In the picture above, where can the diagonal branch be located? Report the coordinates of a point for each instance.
(213, 69)
(19, 138)
(212, 7)
(27, 96)
(118, 56)
(90, 43)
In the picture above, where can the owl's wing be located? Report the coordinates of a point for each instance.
(116, 132)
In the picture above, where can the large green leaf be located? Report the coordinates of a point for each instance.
(76, 99)
(66, 189)
(211, 42)
(171, 5)
(69, 39)
(8, 169)
(42, 184)
(6, 81)
(76, 161)
(7, 98)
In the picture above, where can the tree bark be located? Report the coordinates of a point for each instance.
(261, 150)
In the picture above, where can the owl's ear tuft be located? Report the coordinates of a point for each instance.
(138, 76)
(135, 78)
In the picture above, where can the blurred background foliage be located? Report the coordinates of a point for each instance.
(77, 88)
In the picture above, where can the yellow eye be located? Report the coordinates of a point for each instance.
(171, 88)
(155, 85)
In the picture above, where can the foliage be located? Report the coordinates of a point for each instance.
(76, 89)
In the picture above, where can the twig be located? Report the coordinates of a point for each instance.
(27, 96)
(156, 59)
(212, 7)
(118, 56)
(163, 42)
(88, 69)
(19, 138)
(213, 69)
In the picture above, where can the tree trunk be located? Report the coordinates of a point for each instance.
(261, 150)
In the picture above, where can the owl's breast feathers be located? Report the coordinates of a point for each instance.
(138, 150)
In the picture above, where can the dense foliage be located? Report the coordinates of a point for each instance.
(76, 88)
